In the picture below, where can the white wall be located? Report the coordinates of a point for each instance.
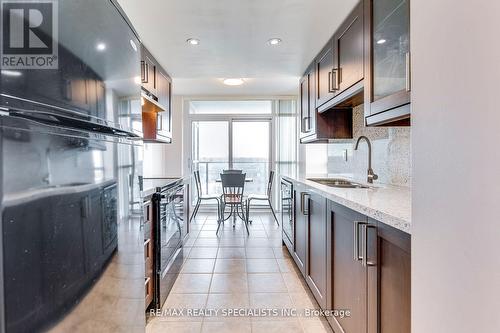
(456, 165)
(165, 160)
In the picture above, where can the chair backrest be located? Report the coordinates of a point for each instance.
(270, 184)
(233, 185)
(197, 182)
(232, 171)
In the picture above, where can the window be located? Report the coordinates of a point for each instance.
(230, 107)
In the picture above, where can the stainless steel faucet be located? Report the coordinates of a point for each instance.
(371, 175)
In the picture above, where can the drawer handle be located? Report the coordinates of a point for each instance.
(147, 244)
(356, 254)
(367, 262)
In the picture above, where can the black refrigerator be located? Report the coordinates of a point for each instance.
(71, 249)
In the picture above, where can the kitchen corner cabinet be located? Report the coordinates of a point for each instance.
(387, 60)
(319, 127)
(368, 273)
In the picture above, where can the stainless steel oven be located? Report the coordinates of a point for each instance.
(287, 212)
(169, 226)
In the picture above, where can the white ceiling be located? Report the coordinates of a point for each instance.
(233, 36)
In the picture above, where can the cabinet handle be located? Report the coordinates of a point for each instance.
(333, 84)
(145, 70)
(408, 71)
(306, 120)
(356, 255)
(366, 262)
(303, 201)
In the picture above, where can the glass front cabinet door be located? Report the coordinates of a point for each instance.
(387, 47)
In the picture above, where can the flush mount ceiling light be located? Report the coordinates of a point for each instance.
(101, 47)
(233, 82)
(193, 41)
(274, 41)
(381, 41)
(11, 73)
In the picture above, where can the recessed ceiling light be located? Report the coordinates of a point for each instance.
(233, 82)
(381, 41)
(193, 41)
(101, 47)
(11, 73)
(274, 41)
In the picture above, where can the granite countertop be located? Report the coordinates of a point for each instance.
(150, 185)
(385, 203)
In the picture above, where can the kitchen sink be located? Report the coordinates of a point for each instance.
(337, 182)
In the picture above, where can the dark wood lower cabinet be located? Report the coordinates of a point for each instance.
(346, 274)
(369, 273)
(316, 262)
(300, 226)
(389, 280)
(353, 264)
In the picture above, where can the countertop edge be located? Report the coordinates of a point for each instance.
(392, 220)
(148, 192)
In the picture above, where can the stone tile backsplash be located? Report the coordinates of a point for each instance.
(391, 156)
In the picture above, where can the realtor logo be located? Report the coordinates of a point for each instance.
(29, 33)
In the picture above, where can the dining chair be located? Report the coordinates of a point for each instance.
(202, 197)
(232, 171)
(263, 197)
(233, 187)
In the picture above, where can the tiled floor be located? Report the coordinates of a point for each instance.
(237, 271)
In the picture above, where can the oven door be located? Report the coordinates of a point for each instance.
(287, 212)
(170, 242)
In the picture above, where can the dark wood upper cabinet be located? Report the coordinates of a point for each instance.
(156, 100)
(148, 71)
(319, 127)
(348, 55)
(307, 104)
(316, 263)
(325, 73)
(340, 65)
(387, 59)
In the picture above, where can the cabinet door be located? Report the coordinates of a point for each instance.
(148, 74)
(64, 256)
(348, 68)
(316, 263)
(92, 211)
(305, 122)
(163, 90)
(347, 275)
(388, 259)
(300, 236)
(325, 90)
(387, 47)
